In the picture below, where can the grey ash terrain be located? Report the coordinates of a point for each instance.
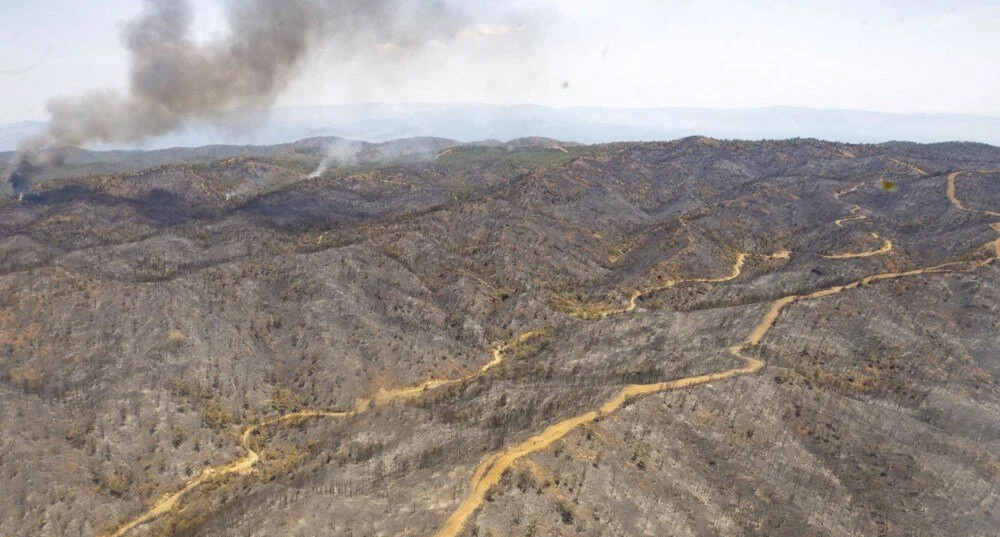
(432, 338)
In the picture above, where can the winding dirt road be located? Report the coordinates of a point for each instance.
(913, 167)
(491, 469)
(950, 192)
(246, 463)
(632, 303)
(489, 472)
(853, 217)
(734, 273)
(633, 300)
(884, 249)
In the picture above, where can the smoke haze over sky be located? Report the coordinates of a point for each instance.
(896, 56)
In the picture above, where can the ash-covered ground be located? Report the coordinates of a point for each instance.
(428, 339)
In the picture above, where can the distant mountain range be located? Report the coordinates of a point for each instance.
(468, 121)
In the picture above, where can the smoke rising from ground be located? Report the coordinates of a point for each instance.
(340, 152)
(174, 79)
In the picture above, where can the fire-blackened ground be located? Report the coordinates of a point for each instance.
(227, 348)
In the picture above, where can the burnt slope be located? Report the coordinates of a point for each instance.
(150, 318)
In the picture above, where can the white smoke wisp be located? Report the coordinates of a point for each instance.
(320, 170)
(342, 152)
(338, 153)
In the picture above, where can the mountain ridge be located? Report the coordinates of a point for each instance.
(467, 122)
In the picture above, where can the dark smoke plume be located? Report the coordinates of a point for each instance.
(174, 79)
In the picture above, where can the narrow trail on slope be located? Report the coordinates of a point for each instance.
(491, 469)
(853, 188)
(950, 192)
(884, 249)
(632, 304)
(852, 217)
(633, 300)
(241, 466)
(245, 464)
(585, 311)
(910, 166)
(741, 257)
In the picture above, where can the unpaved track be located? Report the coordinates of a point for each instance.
(491, 469)
(853, 217)
(734, 273)
(910, 166)
(884, 249)
(837, 195)
(633, 300)
(245, 464)
(950, 192)
(741, 257)
(489, 472)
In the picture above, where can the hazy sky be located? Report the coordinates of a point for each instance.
(895, 56)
